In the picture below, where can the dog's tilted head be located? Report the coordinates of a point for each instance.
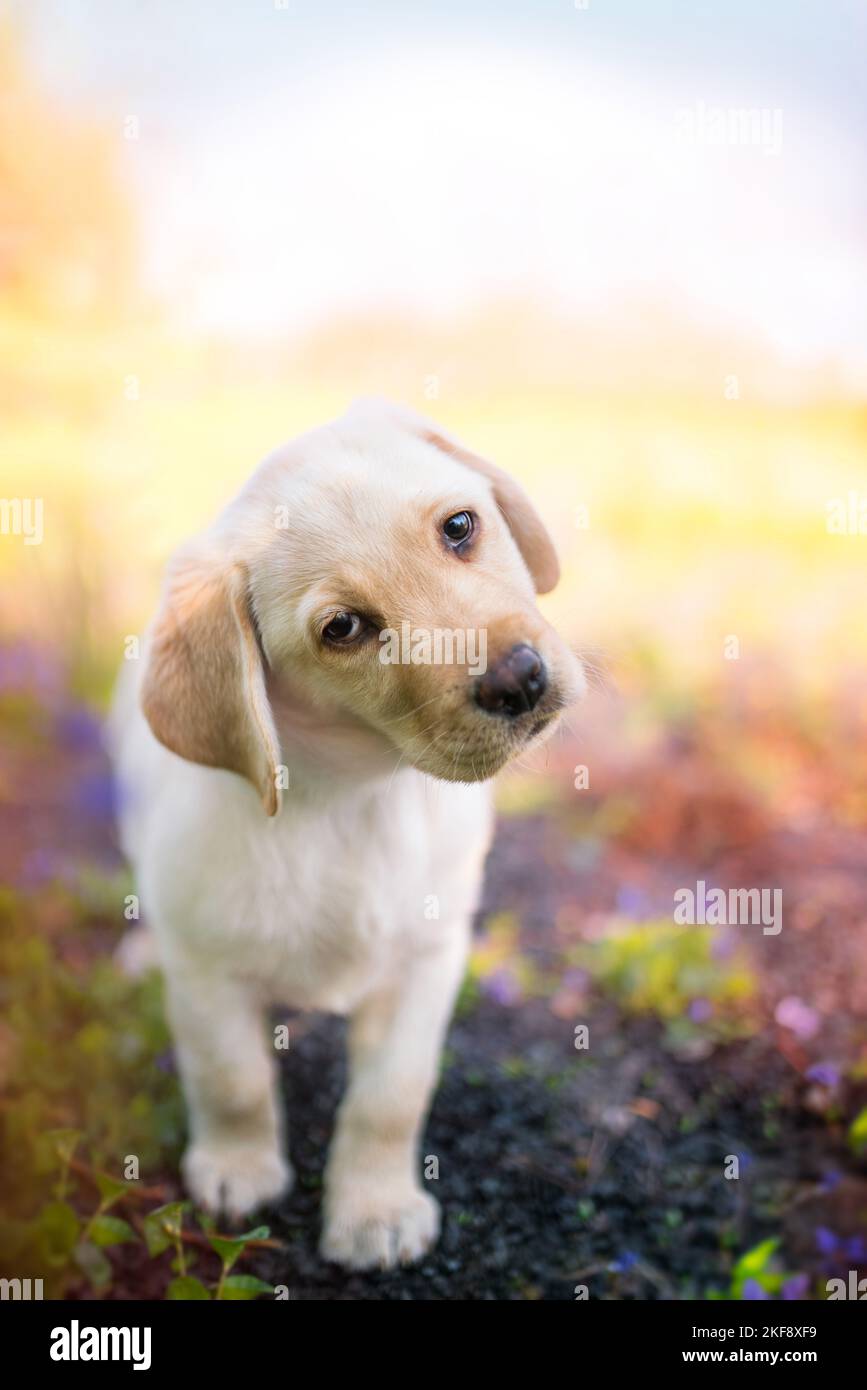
(373, 575)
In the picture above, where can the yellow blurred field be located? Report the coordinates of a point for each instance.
(680, 522)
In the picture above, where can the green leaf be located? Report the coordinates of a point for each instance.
(755, 1260)
(163, 1226)
(754, 1265)
(229, 1249)
(93, 1264)
(858, 1132)
(59, 1228)
(110, 1230)
(187, 1289)
(244, 1286)
(63, 1142)
(110, 1188)
(94, 1040)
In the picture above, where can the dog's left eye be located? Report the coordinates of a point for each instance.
(458, 528)
(343, 628)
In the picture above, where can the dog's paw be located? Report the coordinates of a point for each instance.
(363, 1235)
(233, 1179)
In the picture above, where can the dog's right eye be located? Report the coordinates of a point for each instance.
(343, 629)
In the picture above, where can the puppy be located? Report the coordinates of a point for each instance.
(279, 810)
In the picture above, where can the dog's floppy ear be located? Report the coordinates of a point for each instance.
(204, 693)
(527, 527)
(524, 522)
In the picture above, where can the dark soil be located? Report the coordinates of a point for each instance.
(607, 1169)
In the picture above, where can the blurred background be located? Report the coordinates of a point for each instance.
(621, 252)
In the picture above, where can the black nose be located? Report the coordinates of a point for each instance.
(515, 685)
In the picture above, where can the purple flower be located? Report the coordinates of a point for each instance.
(722, 945)
(632, 902)
(94, 796)
(24, 668)
(800, 1018)
(79, 729)
(826, 1241)
(840, 1250)
(753, 1292)
(502, 987)
(40, 867)
(831, 1179)
(574, 979)
(825, 1073)
(795, 1288)
(700, 1010)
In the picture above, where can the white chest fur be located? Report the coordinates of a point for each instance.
(316, 905)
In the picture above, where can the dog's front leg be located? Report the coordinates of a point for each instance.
(376, 1212)
(234, 1162)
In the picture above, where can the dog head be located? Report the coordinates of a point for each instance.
(375, 577)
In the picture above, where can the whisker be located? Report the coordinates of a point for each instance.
(424, 704)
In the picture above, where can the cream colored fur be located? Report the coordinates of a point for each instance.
(308, 826)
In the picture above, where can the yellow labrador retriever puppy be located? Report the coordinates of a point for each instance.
(340, 663)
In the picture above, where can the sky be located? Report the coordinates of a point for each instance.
(301, 160)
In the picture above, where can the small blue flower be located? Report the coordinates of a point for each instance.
(856, 1249)
(700, 1010)
(753, 1291)
(502, 986)
(79, 729)
(94, 796)
(824, 1073)
(24, 668)
(723, 945)
(40, 867)
(826, 1241)
(632, 902)
(574, 978)
(624, 1262)
(796, 1288)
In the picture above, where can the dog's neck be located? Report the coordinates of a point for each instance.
(328, 752)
